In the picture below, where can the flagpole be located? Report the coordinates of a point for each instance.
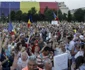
(9, 12)
(0, 11)
(57, 9)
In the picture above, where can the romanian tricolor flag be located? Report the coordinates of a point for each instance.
(55, 17)
(29, 23)
(11, 29)
(13, 32)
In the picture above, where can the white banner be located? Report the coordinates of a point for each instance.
(61, 62)
(55, 23)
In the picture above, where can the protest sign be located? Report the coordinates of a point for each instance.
(55, 23)
(61, 62)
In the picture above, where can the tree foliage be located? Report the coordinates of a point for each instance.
(18, 16)
(48, 14)
(32, 11)
(79, 15)
(24, 17)
(12, 15)
(64, 16)
(3, 18)
(60, 15)
(69, 16)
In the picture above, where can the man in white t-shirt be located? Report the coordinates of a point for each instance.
(71, 45)
(62, 50)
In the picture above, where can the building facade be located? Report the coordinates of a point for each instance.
(7, 7)
(63, 7)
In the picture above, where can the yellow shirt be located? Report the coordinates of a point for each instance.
(74, 30)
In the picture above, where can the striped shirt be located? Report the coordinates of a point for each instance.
(40, 60)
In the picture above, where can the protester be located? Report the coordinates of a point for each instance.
(44, 41)
(43, 56)
(22, 61)
(48, 64)
(32, 64)
(80, 63)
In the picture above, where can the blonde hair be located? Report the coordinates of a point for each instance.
(24, 53)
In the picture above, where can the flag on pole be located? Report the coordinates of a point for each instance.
(14, 31)
(11, 30)
(29, 23)
(54, 15)
(10, 27)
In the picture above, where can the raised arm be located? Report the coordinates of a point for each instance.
(14, 66)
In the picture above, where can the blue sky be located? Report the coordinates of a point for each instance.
(71, 4)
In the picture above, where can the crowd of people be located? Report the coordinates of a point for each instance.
(34, 48)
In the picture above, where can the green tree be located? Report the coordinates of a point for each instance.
(18, 15)
(59, 14)
(84, 15)
(73, 18)
(24, 17)
(41, 16)
(3, 18)
(12, 15)
(64, 16)
(79, 15)
(32, 11)
(46, 9)
(48, 15)
(69, 16)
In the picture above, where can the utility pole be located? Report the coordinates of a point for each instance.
(0, 10)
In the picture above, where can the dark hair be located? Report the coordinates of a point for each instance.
(17, 47)
(23, 43)
(47, 48)
(70, 37)
(79, 60)
(82, 45)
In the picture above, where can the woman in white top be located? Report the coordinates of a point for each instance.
(80, 52)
